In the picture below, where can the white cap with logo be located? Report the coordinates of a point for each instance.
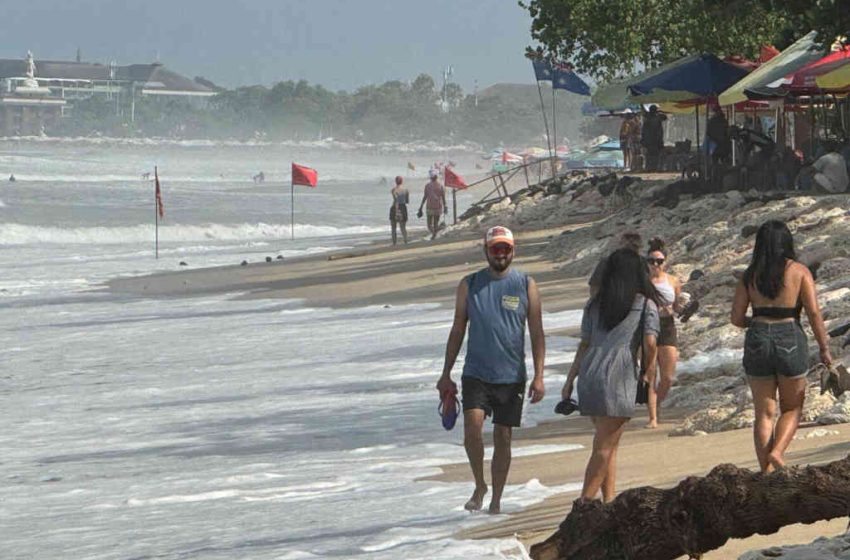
(499, 234)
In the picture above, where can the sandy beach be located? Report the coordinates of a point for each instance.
(428, 272)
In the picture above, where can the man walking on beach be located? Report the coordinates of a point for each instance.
(496, 302)
(435, 197)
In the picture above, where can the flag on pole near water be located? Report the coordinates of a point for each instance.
(453, 180)
(160, 207)
(304, 176)
(542, 70)
(563, 77)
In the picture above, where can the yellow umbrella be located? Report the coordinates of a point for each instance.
(836, 79)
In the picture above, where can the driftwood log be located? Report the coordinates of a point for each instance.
(699, 514)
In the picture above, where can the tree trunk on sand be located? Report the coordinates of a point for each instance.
(700, 514)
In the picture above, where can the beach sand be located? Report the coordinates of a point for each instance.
(429, 272)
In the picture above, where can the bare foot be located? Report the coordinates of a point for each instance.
(494, 509)
(652, 425)
(476, 502)
(774, 463)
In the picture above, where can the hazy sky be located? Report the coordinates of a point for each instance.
(340, 44)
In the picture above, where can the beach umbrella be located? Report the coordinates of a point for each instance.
(837, 79)
(701, 76)
(804, 80)
(756, 84)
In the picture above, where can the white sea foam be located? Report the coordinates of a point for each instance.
(326, 144)
(20, 234)
(705, 360)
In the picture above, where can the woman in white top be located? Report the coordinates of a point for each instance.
(669, 288)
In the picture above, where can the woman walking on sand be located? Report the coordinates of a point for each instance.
(398, 210)
(669, 290)
(606, 361)
(775, 350)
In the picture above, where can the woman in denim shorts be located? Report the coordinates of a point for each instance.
(775, 348)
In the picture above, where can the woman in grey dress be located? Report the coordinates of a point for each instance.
(605, 362)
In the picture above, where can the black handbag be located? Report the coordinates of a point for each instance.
(642, 394)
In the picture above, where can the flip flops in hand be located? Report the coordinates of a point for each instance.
(449, 408)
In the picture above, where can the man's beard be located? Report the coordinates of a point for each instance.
(500, 265)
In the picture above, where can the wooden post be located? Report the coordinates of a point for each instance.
(454, 206)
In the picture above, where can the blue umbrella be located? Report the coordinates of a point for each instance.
(695, 76)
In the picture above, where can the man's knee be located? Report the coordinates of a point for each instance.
(502, 435)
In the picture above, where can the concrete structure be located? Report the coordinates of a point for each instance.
(35, 94)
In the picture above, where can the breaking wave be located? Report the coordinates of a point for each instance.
(329, 144)
(19, 234)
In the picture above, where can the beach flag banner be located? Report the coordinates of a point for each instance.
(160, 207)
(564, 77)
(453, 180)
(542, 70)
(306, 177)
(158, 210)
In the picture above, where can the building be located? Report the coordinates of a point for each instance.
(35, 94)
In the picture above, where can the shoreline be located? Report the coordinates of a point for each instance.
(428, 272)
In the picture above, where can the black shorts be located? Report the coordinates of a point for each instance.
(668, 336)
(501, 400)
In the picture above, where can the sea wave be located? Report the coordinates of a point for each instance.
(328, 143)
(20, 234)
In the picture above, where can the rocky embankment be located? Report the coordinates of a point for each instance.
(710, 238)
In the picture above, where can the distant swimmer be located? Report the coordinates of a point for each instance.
(146, 176)
(259, 177)
(496, 303)
(12, 178)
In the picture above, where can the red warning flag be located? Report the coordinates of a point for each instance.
(160, 207)
(304, 176)
(453, 180)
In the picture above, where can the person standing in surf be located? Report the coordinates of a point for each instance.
(398, 210)
(434, 201)
(496, 302)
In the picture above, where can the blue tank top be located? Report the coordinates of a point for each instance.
(497, 309)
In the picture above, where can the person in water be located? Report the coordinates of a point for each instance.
(775, 349)
(434, 201)
(669, 290)
(606, 362)
(398, 209)
(496, 303)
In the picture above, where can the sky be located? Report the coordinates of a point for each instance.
(340, 44)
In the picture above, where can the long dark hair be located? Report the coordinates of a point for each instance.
(774, 244)
(624, 277)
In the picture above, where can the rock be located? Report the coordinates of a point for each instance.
(244, 263)
(822, 548)
(268, 259)
(279, 257)
(839, 413)
(748, 231)
(183, 263)
(696, 274)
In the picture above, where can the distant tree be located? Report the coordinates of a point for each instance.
(606, 38)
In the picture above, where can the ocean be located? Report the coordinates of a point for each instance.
(212, 426)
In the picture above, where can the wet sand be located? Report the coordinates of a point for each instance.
(429, 272)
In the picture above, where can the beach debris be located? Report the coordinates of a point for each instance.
(268, 259)
(183, 263)
(243, 263)
(279, 257)
(699, 514)
(834, 548)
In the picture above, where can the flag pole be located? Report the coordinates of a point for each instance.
(292, 209)
(156, 214)
(543, 110)
(554, 132)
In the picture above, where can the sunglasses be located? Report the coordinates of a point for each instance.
(655, 262)
(500, 249)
